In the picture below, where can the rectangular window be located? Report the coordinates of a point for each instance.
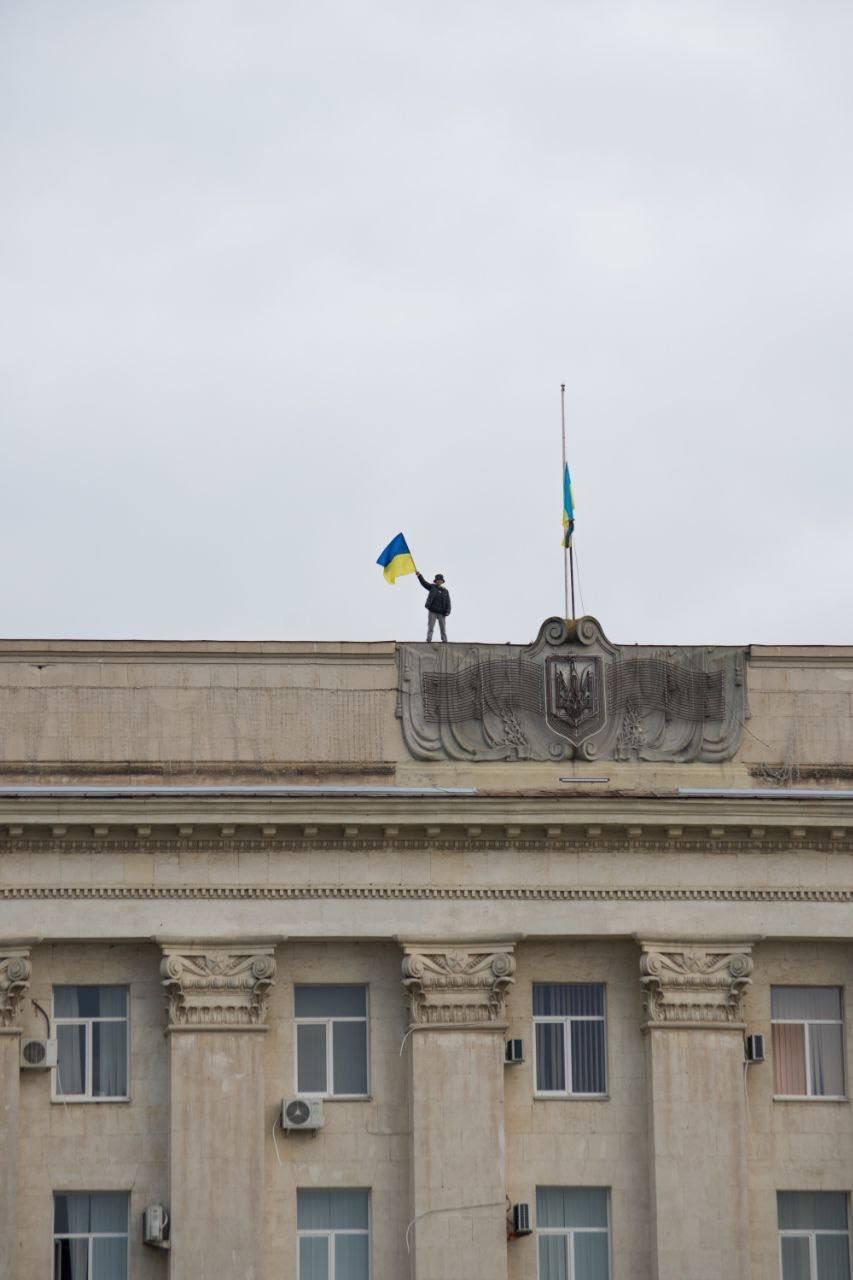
(333, 1234)
(569, 1039)
(331, 1041)
(808, 1042)
(814, 1241)
(90, 1235)
(91, 1028)
(573, 1233)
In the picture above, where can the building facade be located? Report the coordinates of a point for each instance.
(508, 920)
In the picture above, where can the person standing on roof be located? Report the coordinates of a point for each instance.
(437, 605)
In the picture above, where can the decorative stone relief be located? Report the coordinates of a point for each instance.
(571, 694)
(217, 986)
(690, 985)
(15, 972)
(459, 985)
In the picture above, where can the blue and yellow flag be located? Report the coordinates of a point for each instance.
(396, 559)
(568, 508)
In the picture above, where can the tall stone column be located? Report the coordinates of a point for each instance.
(217, 1006)
(697, 1108)
(457, 993)
(14, 979)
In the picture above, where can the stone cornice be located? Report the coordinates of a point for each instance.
(217, 986)
(458, 985)
(15, 974)
(693, 984)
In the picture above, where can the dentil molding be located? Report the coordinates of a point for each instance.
(458, 985)
(217, 987)
(689, 985)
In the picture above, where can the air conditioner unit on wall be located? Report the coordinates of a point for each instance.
(514, 1051)
(521, 1220)
(155, 1226)
(38, 1055)
(755, 1048)
(302, 1113)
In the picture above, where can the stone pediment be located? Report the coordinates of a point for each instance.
(571, 694)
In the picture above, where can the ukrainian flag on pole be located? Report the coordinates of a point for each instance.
(568, 508)
(396, 559)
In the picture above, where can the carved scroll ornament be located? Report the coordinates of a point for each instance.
(217, 986)
(458, 985)
(689, 985)
(15, 972)
(571, 694)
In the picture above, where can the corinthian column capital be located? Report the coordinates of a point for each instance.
(458, 984)
(15, 972)
(217, 986)
(689, 984)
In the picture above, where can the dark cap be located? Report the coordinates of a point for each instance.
(439, 577)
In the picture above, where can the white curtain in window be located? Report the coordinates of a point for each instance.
(109, 1259)
(827, 1055)
(109, 1059)
(571, 1207)
(552, 1258)
(351, 1257)
(314, 1258)
(805, 1003)
(591, 1255)
(71, 1062)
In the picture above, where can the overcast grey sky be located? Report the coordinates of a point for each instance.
(282, 279)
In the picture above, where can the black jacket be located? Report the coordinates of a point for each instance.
(438, 600)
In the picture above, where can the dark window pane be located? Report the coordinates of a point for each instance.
(71, 1260)
(795, 1258)
(71, 1064)
(812, 1210)
(330, 1002)
(311, 1058)
(109, 1059)
(571, 1207)
(587, 1045)
(550, 1061)
(90, 1002)
(349, 1057)
(562, 999)
(833, 1257)
(321, 1209)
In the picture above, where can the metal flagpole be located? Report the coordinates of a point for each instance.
(568, 565)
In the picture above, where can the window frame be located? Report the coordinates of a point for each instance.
(565, 1020)
(91, 1236)
(812, 1235)
(329, 1095)
(568, 1234)
(88, 1023)
(330, 1233)
(806, 1023)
